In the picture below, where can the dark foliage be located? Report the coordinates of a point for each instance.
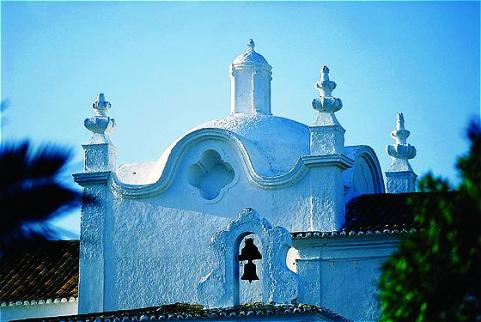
(436, 274)
(31, 192)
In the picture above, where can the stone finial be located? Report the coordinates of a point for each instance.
(251, 44)
(400, 177)
(100, 125)
(326, 103)
(326, 134)
(101, 105)
(401, 152)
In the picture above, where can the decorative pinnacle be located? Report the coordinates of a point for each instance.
(325, 74)
(325, 86)
(401, 150)
(400, 134)
(326, 103)
(100, 124)
(251, 44)
(101, 106)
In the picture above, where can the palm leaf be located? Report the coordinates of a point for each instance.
(31, 192)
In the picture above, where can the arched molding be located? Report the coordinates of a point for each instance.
(182, 147)
(366, 164)
(221, 286)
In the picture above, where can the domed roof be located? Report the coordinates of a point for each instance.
(274, 143)
(250, 56)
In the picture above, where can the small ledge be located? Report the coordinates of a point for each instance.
(89, 178)
(339, 160)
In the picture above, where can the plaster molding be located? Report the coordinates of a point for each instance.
(367, 168)
(91, 178)
(303, 164)
(279, 284)
(344, 248)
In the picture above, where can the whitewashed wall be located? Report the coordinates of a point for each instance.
(342, 273)
(148, 241)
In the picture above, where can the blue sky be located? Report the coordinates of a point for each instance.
(163, 66)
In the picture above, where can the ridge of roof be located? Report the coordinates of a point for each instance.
(324, 234)
(197, 312)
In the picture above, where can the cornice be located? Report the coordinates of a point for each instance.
(91, 178)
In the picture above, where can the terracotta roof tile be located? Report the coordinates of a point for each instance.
(40, 270)
(376, 214)
(181, 311)
(380, 212)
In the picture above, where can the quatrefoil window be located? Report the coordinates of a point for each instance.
(210, 174)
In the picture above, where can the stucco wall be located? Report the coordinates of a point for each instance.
(149, 245)
(342, 273)
(155, 249)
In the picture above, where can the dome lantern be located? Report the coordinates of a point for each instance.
(250, 75)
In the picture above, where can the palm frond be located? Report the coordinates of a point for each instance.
(32, 192)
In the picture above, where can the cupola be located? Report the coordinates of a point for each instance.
(250, 75)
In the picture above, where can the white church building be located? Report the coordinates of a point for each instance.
(253, 216)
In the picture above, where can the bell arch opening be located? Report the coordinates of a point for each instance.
(276, 283)
(248, 272)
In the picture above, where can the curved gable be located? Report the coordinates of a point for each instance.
(365, 176)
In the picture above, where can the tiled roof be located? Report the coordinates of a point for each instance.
(380, 212)
(376, 214)
(181, 311)
(40, 271)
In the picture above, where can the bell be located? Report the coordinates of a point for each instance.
(250, 273)
(249, 252)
